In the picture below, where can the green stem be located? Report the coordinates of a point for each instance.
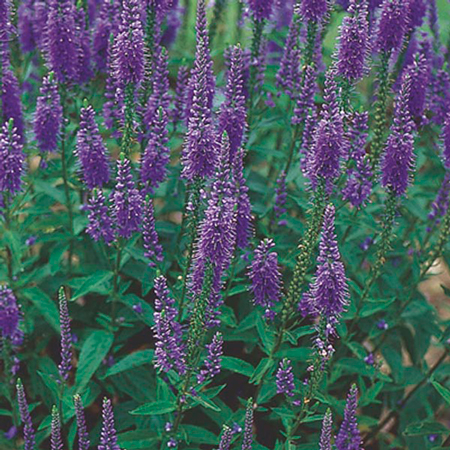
(116, 279)
(128, 129)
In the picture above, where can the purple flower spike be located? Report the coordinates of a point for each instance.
(398, 158)
(280, 199)
(10, 315)
(91, 151)
(213, 360)
(199, 156)
(354, 42)
(156, 156)
(12, 159)
(11, 105)
(261, 9)
(25, 20)
(105, 25)
(233, 114)
(328, 294)
(359, 184)
(55, 438)
(349, 437)
(108, 436)
(84, 67)
(285, 378)
(66, 336)
(126, 200)
(25, 417)
(153, 249)
(440, 204)
(305, 99)
(244, 225)
(6, 27)
(179, 102)
(420, 72)
(100, 224)
(169, 351)
(225, 439)
(325, 435)
(313, 10)
(265, 276)
(329, 143)
(288, 76)
(446, 140)
(248, 429)
(83, 436)
(129, 46)
(49, 116)
(60, 41)
(392, 26)
(417, 11)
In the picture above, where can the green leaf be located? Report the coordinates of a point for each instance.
(131, 361)
(154, 408)
(443, 391)
(263, 367)
(237, 365)
(95, 283)
(199, 435)
(422, 428)
(44, 304)
(137, 439)
(373, 306)
(201, 399)
(94, 350)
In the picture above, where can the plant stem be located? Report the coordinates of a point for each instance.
(116, 284)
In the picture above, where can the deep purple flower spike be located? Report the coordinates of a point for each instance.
(169, 348)
(12, 159)
(49, 115)
(83, 436)
(179, 102)
(91, 150)
(60, 40)
(392, 26)
(129, 46)
(325, 435)
(108, 436)
(261, 9)
(66, 336)
(153, 250)
(285, 378)
(417, 12)
(10, 101)
(247, 441)
(354, 42)
(55, 438)
(126, 200)
(233, 114)
(328, 294)
(398, 158)
(84, 70)
(25, 417)
(100, 224)
(265, 276)
(10, 315)
(225, 438)
(420, 72)
(446, 142)
(25, 20)
(199, 156)
(213, 359)
(313, 10)
(349, 437)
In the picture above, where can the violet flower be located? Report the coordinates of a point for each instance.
(398, 158)
(25, 18)
(446, 142)
(66, 336)
(349, 437)
(178, 113)
(100, 224)
(25, 417)
(12, 159)
(440, 205)
(280, 199)
(60, 40)
(261, 9)
(213, 360)
(247, 440)
(265, 276)
(328, 294)
(392, 26)
(153, 250)
(169, 348)
(55, 437)
(417, 11)
(420, 73)
(129, 45)
(84, 67)
(199, 153)
(48, 117)
(156, 156)
(126, 200)
(10, 316)
(312, 10)
(325, 435)
(91, 150)
(354, 42)
(225, 438)
(108, 435)
(83, 436)
(233, 114)
(10, 101)
(285, 378)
